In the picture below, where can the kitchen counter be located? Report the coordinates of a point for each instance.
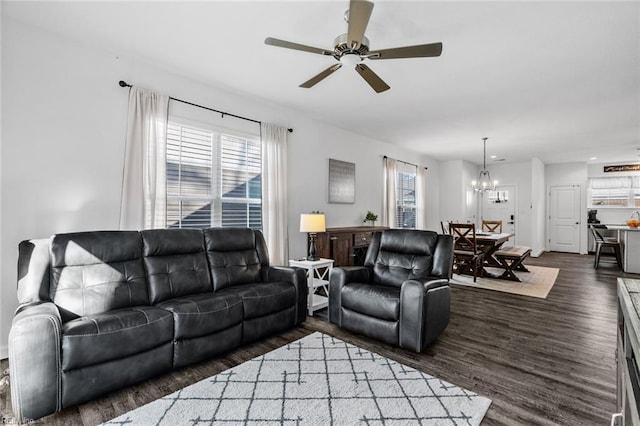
(623, 228)
(630, 239)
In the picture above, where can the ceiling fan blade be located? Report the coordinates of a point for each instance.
(419, 51)
(295, 46)
(372, 78)
(359, 14)
(318, 78)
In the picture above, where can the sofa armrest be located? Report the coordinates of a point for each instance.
(298, 277)
(338, 278)
(35, 360)
(424, 312)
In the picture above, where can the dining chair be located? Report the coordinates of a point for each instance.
(444, 224)
(604, 242)
(466, 257)
(492, 226)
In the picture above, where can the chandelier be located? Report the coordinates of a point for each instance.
(484, 182)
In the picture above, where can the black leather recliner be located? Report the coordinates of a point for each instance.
(401, 295)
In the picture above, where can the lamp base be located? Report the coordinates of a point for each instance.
(312, 247)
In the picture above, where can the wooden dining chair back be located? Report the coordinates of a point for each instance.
(466, 258)
(492, 226)
(444, 224)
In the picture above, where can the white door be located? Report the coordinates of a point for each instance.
(501, 205)
(564, 218)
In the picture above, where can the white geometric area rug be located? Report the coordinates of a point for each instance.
(317, 380)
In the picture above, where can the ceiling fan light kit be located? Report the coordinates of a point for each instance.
(352, 48)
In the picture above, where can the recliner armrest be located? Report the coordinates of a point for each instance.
(35, 359)
(338, 278)
(351, 274)
(432, 283)
(424, 312)
(298, 277)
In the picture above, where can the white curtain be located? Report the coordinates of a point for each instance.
(390, 196)
(143, 203)
(421, 197)
(274, 192)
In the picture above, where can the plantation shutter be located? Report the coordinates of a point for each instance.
(241, 182)
(406, 193)
(213, 179)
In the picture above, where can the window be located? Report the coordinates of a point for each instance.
(622, 191)
(406, 193)
(213, 178)
(497, 197)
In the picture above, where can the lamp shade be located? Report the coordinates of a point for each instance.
(312, 222)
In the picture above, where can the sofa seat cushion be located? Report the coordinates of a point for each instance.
(260, 299)
(379, 301)
(97, 338)
(202, 314)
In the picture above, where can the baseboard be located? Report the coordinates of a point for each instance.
(4, 352)
(537, 253)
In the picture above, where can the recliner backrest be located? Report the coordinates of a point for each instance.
(236, 256)
(175, 262)
(397, 255)
(93, 272)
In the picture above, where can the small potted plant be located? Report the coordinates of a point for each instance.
(370, 217)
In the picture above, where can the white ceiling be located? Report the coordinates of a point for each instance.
(559, 80)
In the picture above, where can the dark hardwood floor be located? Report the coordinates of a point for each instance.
(541, 361)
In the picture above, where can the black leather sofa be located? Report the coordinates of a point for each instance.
(103, 310)
(401, 295)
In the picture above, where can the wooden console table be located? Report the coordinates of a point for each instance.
(346, 246)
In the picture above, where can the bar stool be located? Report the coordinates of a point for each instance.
(606, 242)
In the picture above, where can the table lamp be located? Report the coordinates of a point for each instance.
(312, 223)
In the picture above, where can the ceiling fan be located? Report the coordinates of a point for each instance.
(353, 47)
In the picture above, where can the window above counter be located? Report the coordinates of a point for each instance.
(614, 192)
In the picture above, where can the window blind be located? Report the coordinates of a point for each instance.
(213, 179)
(620, 191)
(406, 193)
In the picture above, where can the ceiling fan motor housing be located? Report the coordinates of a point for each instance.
(342, 46)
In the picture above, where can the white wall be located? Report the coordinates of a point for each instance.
(457, 200)
(432, 206)
(3, 350)
(64, 122)
(538, 207)
(571, 174)
(520, 175)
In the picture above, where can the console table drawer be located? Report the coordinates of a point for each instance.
(362, 239)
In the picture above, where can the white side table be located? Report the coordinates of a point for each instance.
(317, 276)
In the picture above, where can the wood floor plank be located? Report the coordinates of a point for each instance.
(542, 361)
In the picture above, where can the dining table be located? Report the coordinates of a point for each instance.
(489, 243)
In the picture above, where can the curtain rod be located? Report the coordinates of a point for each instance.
(405, 162)
(123, 83)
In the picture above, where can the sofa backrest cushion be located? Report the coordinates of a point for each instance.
(397, 255)
(94, 272)
(175, 262)
(236, 256)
